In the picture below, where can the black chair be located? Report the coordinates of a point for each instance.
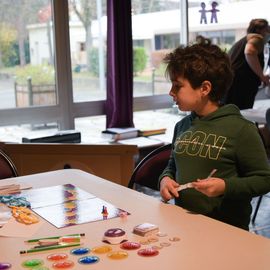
(145, 175)
(7, 167)
(267, 118)
(259, 200)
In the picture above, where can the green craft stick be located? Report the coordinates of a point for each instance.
(54, 237)
(32, 250)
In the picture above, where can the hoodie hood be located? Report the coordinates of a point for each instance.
(229, 110)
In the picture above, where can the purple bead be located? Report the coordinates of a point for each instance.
(4, 265)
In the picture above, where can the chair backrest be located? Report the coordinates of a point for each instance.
(149, 169)
(267, 118)
(7, 167)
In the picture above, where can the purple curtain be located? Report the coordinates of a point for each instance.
(119, 104)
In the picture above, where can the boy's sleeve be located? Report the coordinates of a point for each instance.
(254, 169)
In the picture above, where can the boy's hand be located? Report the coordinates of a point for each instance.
(168, 188)
(211, 187)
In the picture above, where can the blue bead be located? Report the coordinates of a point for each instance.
(79, 251)
(88, 260)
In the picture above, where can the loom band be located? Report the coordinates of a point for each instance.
(11, 200)
(69, 187)
(24, 215)
(73, 217)
(28, 218)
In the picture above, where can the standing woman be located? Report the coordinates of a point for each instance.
(247, 58)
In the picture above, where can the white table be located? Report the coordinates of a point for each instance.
(205, 243)
(257, 113)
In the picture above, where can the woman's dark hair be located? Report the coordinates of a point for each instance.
(256, 25)
(201, 62)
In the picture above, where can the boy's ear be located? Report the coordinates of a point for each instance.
(206, 88)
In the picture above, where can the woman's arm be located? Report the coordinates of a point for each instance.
(251, 55)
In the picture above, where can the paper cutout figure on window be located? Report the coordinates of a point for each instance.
(214, 11)
(203, 13)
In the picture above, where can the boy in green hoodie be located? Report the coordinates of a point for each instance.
(213, 136)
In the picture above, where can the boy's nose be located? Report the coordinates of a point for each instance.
(171, 93)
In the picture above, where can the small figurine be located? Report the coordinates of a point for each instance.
(214, 11)
(104, 212)
(203, 13)
(122, 214)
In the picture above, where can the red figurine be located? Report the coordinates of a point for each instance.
(104, 212)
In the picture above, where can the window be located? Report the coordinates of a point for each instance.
(37, 35)
(221, 21)
(167, 41)
(26, 55)
(157, 25)
(87, 27)
(47, 26)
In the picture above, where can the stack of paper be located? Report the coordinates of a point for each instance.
(116, 134)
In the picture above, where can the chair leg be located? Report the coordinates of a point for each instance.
(256, 210)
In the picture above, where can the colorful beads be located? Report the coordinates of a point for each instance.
(4, 265)
(79, 251)
(32, 263)
(102, 249)
(57, 257)
(88, 260)
(40, 268)
(148, 252)
(63, 265)
(118, 255)
(130, 245)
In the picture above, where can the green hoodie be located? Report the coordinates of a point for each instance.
(226, 141)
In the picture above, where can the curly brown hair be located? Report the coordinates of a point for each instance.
(256, 25)
(201, 62)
